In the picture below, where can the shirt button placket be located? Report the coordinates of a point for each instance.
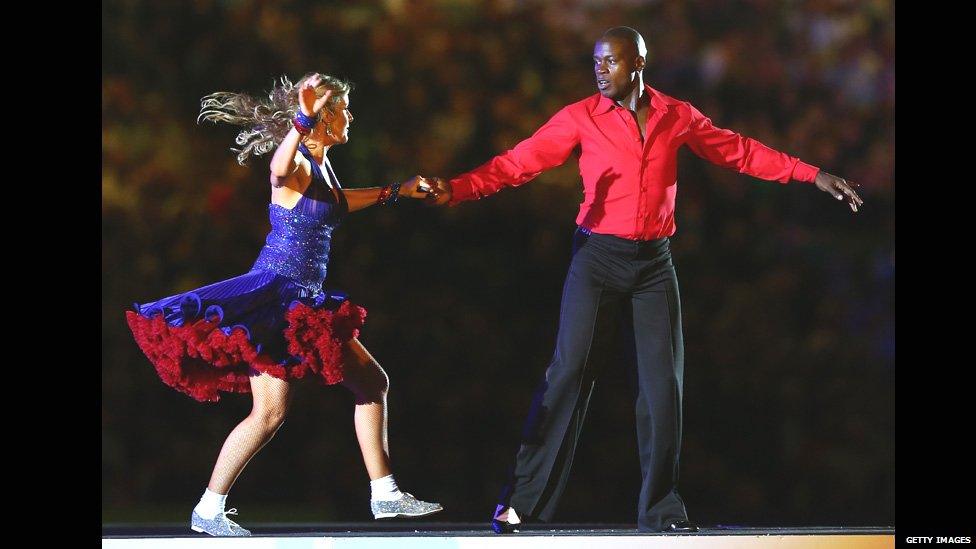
(641, 204)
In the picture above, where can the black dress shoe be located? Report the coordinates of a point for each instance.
(501, 526)
(680, 526)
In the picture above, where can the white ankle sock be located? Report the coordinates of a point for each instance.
(513, 517)
(211, 503)
(508, 515)
(385, 489)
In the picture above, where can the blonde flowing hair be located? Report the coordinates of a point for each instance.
(265, 122)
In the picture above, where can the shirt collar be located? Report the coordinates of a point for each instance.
(605, 104)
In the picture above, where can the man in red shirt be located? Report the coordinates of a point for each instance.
(629, 134)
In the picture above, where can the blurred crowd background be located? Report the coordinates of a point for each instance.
(788, 298)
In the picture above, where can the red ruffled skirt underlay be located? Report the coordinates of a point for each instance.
(215, 338)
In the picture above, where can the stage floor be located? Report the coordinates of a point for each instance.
(440, 535)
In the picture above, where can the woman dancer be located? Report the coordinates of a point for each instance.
(258, 331)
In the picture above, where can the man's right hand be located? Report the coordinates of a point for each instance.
(440, 193)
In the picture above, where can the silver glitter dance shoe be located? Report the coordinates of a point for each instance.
(220, 525)
(406, 506)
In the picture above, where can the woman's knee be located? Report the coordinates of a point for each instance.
(369, 383)
(382, 380)
(269, 419)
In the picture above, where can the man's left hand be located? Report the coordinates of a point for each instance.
(839, 188)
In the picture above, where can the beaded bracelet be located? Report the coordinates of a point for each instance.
(389, 194)
(304, 123)
(305, 120)
(304, 130)
(394, 194)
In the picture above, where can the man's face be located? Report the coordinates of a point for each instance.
(616, 65)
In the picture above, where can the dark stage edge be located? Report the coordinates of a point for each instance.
(469, 529)
(441, 535)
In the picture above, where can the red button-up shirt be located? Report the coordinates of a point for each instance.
(629, 183)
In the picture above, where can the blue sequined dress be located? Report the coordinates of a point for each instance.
(276, 318)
